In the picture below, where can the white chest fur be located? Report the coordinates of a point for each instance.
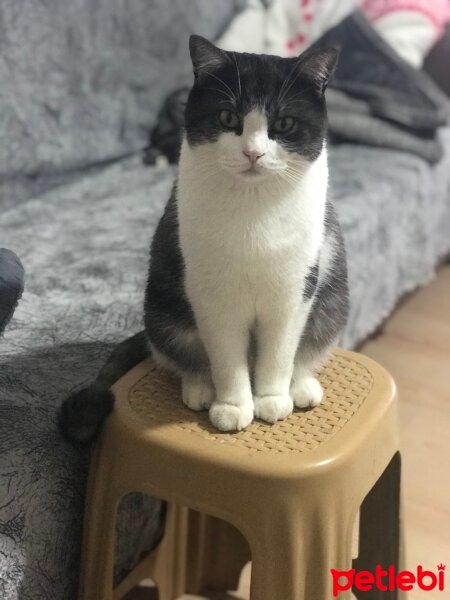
(248, 241)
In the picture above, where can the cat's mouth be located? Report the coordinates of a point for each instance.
(252, 172)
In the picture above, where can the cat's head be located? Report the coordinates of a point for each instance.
(257, 116)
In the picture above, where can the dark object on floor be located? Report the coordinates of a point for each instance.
(11, 285)
(437, 63)
(165, 139)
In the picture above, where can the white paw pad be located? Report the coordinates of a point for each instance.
(307, 392)
(198, 393)
(228, 417)
(273, 408)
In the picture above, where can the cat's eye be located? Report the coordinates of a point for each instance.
(228, 119)
(284, 124)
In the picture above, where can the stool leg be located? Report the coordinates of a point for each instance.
(380, 529)
(197, 553)
(97, 556)
(219, 552)
(292, 555)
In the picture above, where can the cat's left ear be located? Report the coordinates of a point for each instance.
(205, 56)
(319, 65)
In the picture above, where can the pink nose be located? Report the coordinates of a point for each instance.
(252, 155)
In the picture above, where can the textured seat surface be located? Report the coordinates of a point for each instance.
(150, 419)
(347, 382)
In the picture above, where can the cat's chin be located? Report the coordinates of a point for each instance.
(252, 175)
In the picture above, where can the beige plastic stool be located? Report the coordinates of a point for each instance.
(292, 490)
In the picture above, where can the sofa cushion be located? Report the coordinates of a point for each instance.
(81, 81)
(394, 211)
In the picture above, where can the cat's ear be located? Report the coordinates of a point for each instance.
(205, 56)
(319, 65)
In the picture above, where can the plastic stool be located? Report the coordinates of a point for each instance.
(292, 490)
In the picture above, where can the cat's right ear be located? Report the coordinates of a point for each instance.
(205, 56)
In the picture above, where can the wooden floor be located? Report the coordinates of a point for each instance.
(414, 346)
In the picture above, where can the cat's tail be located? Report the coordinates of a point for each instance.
(82, 414)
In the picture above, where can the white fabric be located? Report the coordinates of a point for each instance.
(286, 27)
(246, 31)
(411, 34)
(293, 25)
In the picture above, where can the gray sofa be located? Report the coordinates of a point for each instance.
(83, 84)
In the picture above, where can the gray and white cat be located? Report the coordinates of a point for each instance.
(247, 285)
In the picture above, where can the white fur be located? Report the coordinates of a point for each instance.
(249, 236)
(198, 392)
(306, 390)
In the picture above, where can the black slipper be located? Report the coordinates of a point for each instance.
(12, 278)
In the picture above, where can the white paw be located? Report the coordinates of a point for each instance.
(229, 417)
(307, 392)
(273, 408)
(198, 392)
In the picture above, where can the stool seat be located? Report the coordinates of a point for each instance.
(355, 389)
(293, 489)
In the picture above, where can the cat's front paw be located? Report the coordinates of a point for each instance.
(229, 417)
(307, 392)
(273, 408)
(198, 392)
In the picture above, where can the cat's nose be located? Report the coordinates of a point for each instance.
(252, 155)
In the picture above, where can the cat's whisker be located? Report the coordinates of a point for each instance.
(232, 94)
(292, 102)
(230, 99)
(285, 82)
(287, 178)
(292, 176)
(298, 175)
(281, 100)
(238, 74)
(275, 166)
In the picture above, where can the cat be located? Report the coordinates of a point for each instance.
(247, 284)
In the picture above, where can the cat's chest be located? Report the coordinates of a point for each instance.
(244, 235)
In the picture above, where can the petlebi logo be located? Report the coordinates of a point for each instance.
(388, 580)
